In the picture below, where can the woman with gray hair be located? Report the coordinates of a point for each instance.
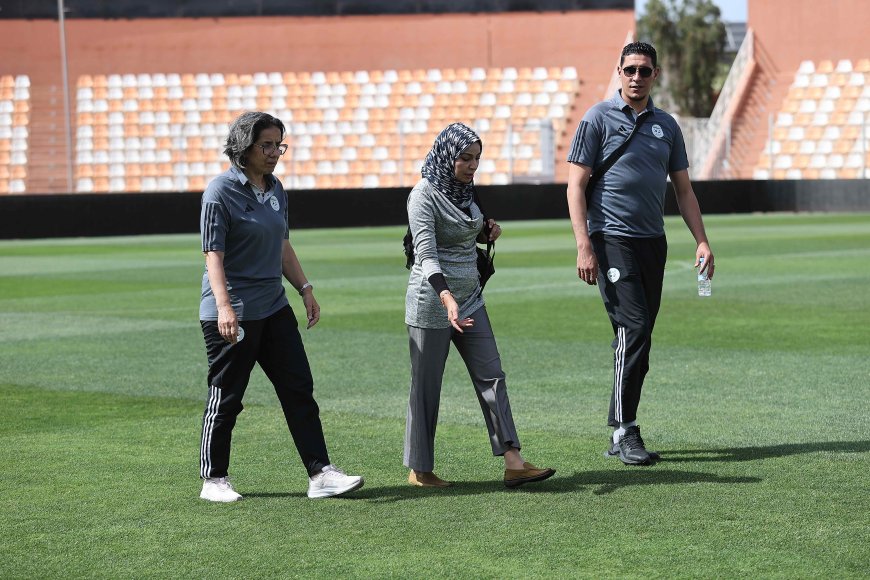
(444, 304)
(244, 312)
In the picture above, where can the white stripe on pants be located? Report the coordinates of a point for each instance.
(618, 372)
(211, 411)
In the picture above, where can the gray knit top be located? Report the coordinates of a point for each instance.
(444, 241)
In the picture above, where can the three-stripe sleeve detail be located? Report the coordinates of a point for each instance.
(209, 226)
(577, 143)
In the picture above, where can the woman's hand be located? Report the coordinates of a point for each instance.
(490, 232)
(312, 308)
(452, 307)
(228, 323)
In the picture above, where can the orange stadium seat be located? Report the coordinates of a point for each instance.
(335, 108)
(14, 133)
(823, 116)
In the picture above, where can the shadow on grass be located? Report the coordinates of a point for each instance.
(605, 482)
(276, 495)
(602, 482)
(727, 454)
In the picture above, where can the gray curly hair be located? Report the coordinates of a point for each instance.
(245, 131)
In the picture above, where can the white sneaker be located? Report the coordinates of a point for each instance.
(219, 489)
(331, 482)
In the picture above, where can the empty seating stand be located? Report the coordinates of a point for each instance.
(14, 122)
(823, 128)
(165, 132)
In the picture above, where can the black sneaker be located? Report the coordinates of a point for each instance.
(631, 448)
(613, 451)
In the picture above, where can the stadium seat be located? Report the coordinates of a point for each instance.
(823, 115)
(320, 109)
(14, 133)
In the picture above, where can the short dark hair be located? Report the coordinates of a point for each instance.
(639, 48)
(245, 131)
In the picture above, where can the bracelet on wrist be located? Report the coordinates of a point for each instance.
(304, 286)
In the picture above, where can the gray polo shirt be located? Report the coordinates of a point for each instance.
(629, 199)
(250, 232)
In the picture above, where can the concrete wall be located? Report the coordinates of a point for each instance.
(589, 40)
(790, 31)
(225, 8)
(46, 216)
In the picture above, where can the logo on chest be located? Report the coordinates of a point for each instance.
(274, 203)
(657, 131)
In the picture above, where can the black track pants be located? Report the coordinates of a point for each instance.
(275, 344)
(630, 276)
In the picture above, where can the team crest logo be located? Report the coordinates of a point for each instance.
(274, 202)
(613, 275)
(657, 131)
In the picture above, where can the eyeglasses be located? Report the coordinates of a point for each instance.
(271, 148)
(645, 71)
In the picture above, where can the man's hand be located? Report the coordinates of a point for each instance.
(587, 265)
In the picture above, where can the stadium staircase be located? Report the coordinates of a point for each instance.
(47, 145)
(750, 122)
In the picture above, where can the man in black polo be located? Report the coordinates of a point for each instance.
(619, 226)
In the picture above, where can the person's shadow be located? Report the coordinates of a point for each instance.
(602, 482)
(728, 454)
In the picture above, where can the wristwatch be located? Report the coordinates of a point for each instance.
(304, 286)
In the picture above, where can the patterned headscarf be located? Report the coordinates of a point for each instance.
(439, 168)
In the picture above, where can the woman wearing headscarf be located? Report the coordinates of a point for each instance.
(444, 304)
(245, 315)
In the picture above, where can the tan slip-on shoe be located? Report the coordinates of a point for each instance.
(426, 479)
(528, 474)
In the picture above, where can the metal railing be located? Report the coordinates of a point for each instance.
(717, 132)
(541, 166)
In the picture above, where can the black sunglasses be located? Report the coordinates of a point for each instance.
(645, 71)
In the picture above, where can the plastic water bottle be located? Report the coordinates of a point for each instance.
(705, 287)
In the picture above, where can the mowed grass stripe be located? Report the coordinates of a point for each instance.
(723, 511)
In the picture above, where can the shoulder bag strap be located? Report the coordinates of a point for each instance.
(489, 245)
(599, 172)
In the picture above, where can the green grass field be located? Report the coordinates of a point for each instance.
(757, 399)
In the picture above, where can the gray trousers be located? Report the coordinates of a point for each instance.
(429, 349)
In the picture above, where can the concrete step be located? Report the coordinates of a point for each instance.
(47, 148)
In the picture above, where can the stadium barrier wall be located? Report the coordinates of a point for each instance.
(84, 215)
(223, 8)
